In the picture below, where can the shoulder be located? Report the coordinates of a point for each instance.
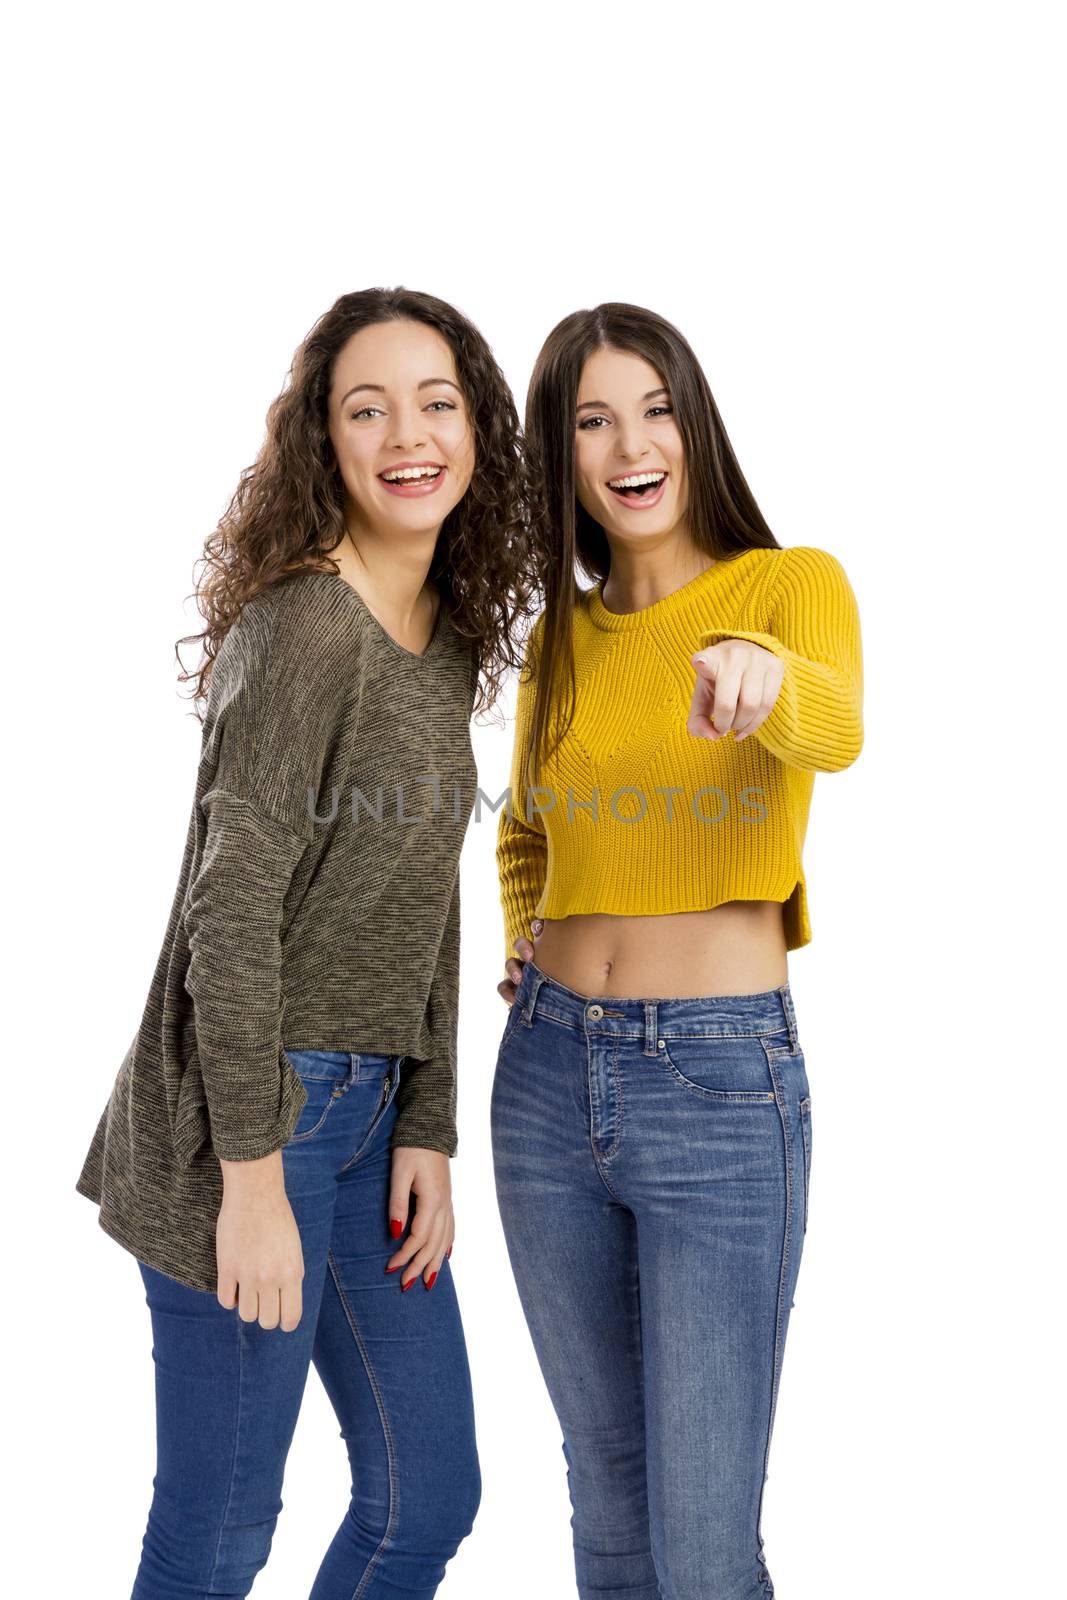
(293, 645)
(803, 573)
(313, 618)
(293, 612)
(806, 563)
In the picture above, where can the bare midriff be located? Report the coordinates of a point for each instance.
(736, 948)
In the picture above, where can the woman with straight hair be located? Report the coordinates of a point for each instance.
(651, 1111)
(278, 1136)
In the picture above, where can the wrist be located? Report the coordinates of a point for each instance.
(265, 1172)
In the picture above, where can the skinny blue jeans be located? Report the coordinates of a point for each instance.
(392, 1362)
(652, 1161)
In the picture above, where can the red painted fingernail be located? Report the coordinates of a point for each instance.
(448, 1252)
(404, 1287)
(431, 1280)
(393, 1269)
(396, 1227)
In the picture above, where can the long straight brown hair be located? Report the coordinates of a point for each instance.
(722, 514)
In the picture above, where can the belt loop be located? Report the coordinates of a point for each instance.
(790, 1017)
(651, 1029)
(536, 980)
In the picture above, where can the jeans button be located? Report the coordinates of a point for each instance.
(595, 1013)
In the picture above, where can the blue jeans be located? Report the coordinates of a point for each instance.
(652, 1160)
(393, 1364)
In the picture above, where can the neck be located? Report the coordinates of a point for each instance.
(390, 573)
(641, 575)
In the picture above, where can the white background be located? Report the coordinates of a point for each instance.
(850, 211)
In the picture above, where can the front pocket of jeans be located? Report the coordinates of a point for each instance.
(326, 1075)
(724, 1067)
(510, 1025)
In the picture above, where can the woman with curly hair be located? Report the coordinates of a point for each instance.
(278, 1136)
(651, 1113)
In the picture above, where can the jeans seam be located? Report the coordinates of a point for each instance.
(390, 1442)
(236, 1446)
(787, 1235)
(605, 1180)
(616, 1078)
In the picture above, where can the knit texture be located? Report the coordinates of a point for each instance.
(317, 908)
(635, 816)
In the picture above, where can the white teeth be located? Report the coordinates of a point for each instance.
(406, 473)
(637, 478)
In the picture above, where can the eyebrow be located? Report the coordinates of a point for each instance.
(602, 405)
(379, 388)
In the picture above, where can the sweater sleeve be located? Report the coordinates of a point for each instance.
(233, 914)
(272, 712)
(426, 1098)
(522, 844)
(814, 630)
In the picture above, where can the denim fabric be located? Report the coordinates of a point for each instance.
(652, 1161)
(393, 1363)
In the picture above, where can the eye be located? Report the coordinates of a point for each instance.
(449, 405)
(664, 410)
(363, 411)
(587, 422)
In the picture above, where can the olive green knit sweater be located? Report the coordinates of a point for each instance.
(317, 909)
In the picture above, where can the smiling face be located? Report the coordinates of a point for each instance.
(629, 456)
(400, 427)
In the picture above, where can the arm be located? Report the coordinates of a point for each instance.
(814, 630)
(426, 1097)
(522, 845)
(232, 921)
(276, 692)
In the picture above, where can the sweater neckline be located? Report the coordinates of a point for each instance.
(626, 621)
(435, 640)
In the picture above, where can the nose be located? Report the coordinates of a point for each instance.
(408, 431)
(629, 445)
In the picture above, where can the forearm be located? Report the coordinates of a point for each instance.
(232, 918)
(522, 863)
(813, 629)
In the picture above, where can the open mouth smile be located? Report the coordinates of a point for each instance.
(639, 490)
(413, 480)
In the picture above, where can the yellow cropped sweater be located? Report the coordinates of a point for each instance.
(637, 817)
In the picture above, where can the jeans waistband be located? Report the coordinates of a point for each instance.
(701, 1016)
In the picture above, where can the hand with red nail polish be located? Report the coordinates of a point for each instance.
(420, 1176)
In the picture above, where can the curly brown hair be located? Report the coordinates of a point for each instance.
(287, 512)
(722, 515)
